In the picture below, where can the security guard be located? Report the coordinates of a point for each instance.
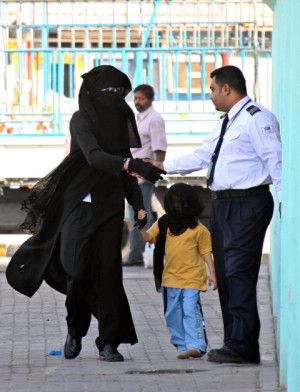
(243, 156)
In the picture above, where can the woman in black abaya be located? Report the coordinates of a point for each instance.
(76, 214)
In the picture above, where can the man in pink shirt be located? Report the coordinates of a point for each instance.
(151, 127)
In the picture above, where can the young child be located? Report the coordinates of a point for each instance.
(185, 244)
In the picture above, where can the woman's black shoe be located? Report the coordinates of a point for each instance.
(72, 347)
(110, 354)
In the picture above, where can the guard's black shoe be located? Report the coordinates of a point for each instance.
(110, 354)
(228, 355)
(72, 347)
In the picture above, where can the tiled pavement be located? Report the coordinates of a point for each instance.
(31, 328)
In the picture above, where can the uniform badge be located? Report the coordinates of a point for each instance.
(267, 130)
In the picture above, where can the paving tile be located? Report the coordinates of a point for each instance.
(31, 328)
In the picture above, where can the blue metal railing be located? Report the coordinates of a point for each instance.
(54, 90)
(175, 53)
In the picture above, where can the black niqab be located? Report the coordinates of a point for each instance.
(111, 118)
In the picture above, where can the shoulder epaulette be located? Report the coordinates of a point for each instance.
(253, 109)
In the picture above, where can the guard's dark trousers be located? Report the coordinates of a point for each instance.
(238, 226)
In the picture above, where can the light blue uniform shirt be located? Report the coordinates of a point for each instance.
(250, 154)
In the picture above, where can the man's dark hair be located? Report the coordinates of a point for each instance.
(146, 89)
(232, 76)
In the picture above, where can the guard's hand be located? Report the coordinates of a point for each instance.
(154, 163)
(145, 169)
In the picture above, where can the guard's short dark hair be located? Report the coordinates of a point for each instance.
(146, 89)
(231, 75)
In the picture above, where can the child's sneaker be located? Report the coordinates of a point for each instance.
(182, 355)
(190, 353)
(194, 353)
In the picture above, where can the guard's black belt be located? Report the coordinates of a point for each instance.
(257, 190)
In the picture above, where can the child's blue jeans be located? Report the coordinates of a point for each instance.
(184, 318)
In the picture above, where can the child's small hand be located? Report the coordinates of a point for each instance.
(141, 219)
(212, 280)
(141, 214)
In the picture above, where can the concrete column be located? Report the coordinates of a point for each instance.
(286, 262)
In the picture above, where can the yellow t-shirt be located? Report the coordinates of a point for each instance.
(184, 266)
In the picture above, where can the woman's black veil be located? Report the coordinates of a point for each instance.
(113, 123)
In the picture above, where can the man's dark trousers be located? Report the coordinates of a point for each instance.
(238, 226)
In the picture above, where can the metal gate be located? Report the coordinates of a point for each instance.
(171, 44)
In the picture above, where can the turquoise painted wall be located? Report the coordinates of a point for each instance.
(285, 243)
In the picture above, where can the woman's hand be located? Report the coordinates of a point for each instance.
(141, 219)
(145, 170)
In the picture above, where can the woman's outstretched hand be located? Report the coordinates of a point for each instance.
(145, 169)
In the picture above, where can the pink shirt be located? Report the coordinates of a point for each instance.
(151, 127)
